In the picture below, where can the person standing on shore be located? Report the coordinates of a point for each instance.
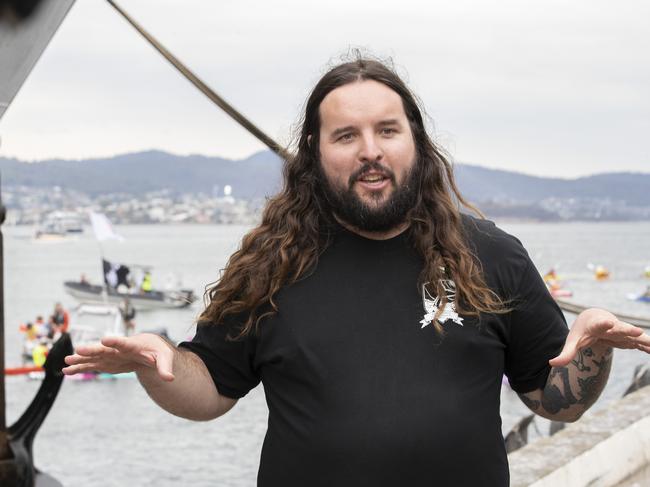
(379, 318)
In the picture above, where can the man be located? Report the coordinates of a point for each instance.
(379, 319)
(127, 310)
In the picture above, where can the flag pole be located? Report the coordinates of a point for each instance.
(103, 230)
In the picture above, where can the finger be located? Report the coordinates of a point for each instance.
(117, 342)
(627, 344)
(164, 365)
(621, 341)
(625, 329)
(79, 359)
(92, 349)
(132, 349)
(129, 346)
(643, 339)
(604, 326)
(566, 355)
(76, 369)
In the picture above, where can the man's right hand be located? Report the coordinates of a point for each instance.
(139, 353)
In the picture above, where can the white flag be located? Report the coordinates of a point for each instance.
(102, 227)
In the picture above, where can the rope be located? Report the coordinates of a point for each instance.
(205, 89)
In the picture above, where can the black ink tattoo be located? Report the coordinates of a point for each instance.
(591, 387)
(579, 361)
(532, 404)
(555, 398)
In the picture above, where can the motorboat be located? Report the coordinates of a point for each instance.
(141, 300)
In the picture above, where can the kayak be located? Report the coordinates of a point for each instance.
(561, 293)
(644, 298)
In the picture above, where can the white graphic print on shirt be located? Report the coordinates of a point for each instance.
(432, 304)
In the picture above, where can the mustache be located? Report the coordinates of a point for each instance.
(366, 168)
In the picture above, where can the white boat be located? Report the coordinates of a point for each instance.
(91, 323)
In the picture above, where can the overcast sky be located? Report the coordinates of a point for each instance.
(550, 87)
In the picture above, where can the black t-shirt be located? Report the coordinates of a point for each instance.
(361, 394)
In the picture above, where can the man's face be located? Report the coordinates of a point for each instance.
(367, 155)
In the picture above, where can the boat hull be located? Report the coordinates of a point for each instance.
(88, 293)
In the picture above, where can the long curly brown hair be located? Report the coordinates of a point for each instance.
(293, 233)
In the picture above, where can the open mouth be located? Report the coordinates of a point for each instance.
(374, 178)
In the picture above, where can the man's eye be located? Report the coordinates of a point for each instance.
(346, 137)
(388, 131)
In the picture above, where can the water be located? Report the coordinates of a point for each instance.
(109, 433)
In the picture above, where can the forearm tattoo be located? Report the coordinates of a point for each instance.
(532, 404)
(577, 385)
(557, 394)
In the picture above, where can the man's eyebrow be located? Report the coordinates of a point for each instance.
(341, 130)
(383, 123)
(390, 121)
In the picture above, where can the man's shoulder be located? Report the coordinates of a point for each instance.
(482, 231)
(489, 242)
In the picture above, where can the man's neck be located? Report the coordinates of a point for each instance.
(393, 232)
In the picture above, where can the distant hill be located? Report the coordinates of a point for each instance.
(260, 175)
(481, 184)
(142, 172)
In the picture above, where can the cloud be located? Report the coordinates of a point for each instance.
(550, 88)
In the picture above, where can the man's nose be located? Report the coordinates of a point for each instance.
(370, 150)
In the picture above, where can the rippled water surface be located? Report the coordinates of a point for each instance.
(108, 433)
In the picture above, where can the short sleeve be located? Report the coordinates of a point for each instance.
(230, 362)
(537, 332)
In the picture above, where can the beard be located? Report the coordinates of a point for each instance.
(378, 215)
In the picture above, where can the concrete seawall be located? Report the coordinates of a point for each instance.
(600, 450)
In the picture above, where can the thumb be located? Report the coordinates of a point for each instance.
(164, 363)
(566, 355)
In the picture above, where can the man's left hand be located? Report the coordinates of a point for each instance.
(599, 327)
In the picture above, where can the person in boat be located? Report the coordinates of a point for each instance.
(42, 327)
(30, 331)
(60, 319)
(40, 351)
(83, 280)
(29, 341)
(551, 275)
(379, 318)
(146, 286)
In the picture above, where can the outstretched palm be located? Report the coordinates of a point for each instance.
(600, 326)
(124, 354)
